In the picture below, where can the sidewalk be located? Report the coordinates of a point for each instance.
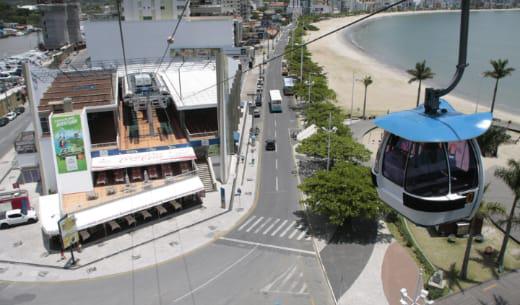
(23, 256)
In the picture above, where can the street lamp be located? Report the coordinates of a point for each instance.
(419, 298)
(309, 83)
(329, 130)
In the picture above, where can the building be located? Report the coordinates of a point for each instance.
(60, 23)
(27, 157)
(139, 10)
(149, 39)
(118, 145)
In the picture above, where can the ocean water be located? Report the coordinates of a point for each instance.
(18, 44)
(401, 41)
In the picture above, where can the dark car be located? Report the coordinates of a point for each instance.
(19, 110)
(270, 144)
(258, 100)
(4, 121)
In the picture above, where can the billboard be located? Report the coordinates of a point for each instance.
(68, 232)
(69, 149)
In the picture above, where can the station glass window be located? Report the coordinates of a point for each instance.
(394, 159)
(463, 166)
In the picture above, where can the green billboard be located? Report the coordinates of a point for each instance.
(68, 143)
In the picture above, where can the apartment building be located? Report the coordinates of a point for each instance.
(139, 10)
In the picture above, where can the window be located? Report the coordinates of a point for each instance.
(162, 8)
(427, 170)
(44, 123)
(16, 215)
(463, 166)
(394, 160)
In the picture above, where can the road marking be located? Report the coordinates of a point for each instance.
(287, 229)
(240, 241)
(301, 235)
(288, 276)
(276, 182)
(246, 223)
(275, 133)
(276, 163)
(216, 276)
(279, 228)
(304, 287)
(254, 224)
(271, 226)
(274, 123)
(263, 225)
(293, 233)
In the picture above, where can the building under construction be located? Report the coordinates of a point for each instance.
(60, 23)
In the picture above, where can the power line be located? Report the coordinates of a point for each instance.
(292, 49)
(172, 36)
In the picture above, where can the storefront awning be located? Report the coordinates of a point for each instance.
(143, 158)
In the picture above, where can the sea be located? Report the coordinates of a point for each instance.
(402, 40)
(14, 45)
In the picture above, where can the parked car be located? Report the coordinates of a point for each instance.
(16, 217)
(258, 100)
(270, 144)
(11, 115)
(256, 112)
(19, 110)
(3, 121)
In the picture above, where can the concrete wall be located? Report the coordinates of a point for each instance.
(147, 39)
(54, 19)
(46, 151)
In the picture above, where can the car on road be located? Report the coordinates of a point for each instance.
(16, 217)
(258, 100)
(11, 115)
(270, 144)
(19, 110)
(256, 112)
(3, 121)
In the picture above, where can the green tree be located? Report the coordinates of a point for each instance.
(342, 147)
(420, 73)
(511, 177)
(342, 193)
(318, 113)
(485, 211)
(491, 139)
(500, 70)
(367, 81)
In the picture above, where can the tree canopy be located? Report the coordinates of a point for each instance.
(491, 139)
(342, 193)
(342, 148)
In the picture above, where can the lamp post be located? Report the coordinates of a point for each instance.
(309, 83)
(420, 298)
(330, 130)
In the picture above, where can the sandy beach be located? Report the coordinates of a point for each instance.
(390, 90)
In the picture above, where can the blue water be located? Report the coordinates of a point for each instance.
(401, 41)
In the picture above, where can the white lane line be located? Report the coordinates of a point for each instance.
(246, 223)
(216, 276)
(274, 123)
(254, 224)
(275, 133)
(268, 246)
(271, 226)
(293, 233)
(308, 237)
(276, 163)
(304, 287)
(287, 277)
(279, 228)
(287, 229)
(263, 225)
(276, 183)
(301, 235)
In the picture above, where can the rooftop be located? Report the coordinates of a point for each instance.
(85, 88)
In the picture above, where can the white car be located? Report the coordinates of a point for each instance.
(11, 115)
(16, 217)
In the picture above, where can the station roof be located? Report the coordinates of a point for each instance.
(85, 88)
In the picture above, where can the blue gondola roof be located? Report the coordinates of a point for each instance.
(415, 125)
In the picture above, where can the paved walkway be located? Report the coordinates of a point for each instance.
(23, 256)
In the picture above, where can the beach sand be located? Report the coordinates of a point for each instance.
(390, 90)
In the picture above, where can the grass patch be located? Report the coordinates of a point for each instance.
(448, 255)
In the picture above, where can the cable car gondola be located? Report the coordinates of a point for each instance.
(429, 166)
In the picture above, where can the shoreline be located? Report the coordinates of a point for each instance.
(340, 58)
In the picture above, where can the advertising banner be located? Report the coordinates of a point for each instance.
(68, 143)
(68, 232)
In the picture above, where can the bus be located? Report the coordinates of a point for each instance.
(288, 86)
(275, 101)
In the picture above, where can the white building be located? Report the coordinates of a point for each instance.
(139, 10)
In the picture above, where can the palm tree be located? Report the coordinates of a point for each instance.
(486, 210)
(420, 73)
(500, 70)
(511, 177)
(367, 81)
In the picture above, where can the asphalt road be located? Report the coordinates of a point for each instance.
(268, 259)
(9, 132)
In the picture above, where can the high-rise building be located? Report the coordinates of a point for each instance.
(60, 23)
(138, 10)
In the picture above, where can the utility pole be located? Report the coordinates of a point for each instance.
(329, 131)
(309, 86)
(301, 61)
(352, 100)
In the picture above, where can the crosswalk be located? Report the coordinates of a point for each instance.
(272, 226)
